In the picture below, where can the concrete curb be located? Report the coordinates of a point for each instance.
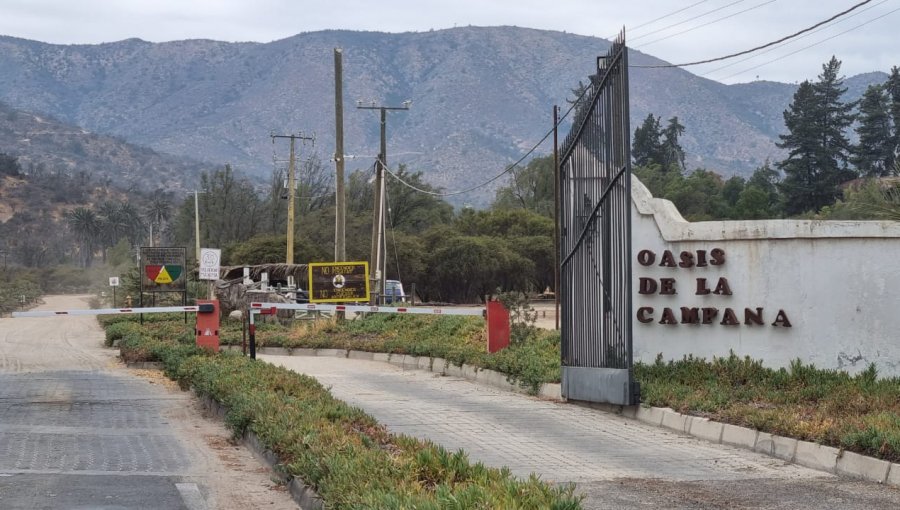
(804, 453)
(302, 494)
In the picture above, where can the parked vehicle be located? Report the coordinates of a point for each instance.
(393, 292)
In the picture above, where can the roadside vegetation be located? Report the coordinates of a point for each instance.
(350, 459)
(859, 413)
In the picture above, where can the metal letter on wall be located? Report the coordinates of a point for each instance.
(595, 240)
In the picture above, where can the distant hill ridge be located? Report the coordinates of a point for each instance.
(481, 96)
(47, 146)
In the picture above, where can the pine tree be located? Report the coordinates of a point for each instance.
(646, 148)
(818, 150)
(873, 156)
(892, 88)
(673, 154)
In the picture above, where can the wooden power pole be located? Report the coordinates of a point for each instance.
(291, 189)
(378, 258)
(340, 223)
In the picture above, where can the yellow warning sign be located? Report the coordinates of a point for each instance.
(163, 276)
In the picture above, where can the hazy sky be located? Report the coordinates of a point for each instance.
(871, 41)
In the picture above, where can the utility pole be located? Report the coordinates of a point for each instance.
(197, 226)
(292, 189)
(340, 223)
(378, 256)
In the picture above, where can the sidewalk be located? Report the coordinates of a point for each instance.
(616, 462)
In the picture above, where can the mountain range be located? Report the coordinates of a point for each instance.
(481, 97)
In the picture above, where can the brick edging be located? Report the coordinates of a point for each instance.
(805, 453)
(812, 455)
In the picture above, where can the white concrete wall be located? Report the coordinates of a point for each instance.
(838, 282)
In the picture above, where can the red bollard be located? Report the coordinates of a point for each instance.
(497, 326)
(207, 330)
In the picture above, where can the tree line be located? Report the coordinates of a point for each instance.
(460, 255)
(821, 174)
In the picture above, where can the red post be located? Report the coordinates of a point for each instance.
(497, 326)
(207, 330)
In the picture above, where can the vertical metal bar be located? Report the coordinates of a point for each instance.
(252, 329)
(556, 211)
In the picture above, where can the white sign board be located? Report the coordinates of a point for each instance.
(209, 263)
(113, 281)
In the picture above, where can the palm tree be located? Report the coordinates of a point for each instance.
(86, 226)
(134, 223)
(112, 226)
(159, 210)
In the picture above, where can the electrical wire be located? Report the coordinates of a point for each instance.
(773, 43)
(664, 16)
(769, 50)
(757, 6)
(673, 25)
(812, 45)
(506, 170)
(387, 198)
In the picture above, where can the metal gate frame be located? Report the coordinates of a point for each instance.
(595, 241)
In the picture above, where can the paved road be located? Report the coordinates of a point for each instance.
(78, 431)
(615, 462)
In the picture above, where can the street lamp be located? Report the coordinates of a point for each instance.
(378, 255)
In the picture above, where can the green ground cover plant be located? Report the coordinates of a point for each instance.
(859, 413)
(351, 460)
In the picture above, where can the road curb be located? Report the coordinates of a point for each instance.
(301, 493)
(804, 453)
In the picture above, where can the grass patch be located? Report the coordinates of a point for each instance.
(350, 459)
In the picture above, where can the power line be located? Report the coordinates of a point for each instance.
(751, 57)
(813, 44)
(387, 197)
(673, 25)
(506, 170)
(664, 16)
(773, 43)
(757, 6)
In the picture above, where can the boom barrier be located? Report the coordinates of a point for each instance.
(111, 311)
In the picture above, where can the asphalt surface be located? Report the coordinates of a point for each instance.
(616, 463)
(79, 431)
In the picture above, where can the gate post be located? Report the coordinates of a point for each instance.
(207, 330)
(497, 326)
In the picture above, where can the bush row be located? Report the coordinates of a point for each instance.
(350, 459)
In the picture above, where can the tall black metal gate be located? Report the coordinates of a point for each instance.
(595, 241)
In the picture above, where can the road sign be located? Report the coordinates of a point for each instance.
(336, 282)
(163, 269)
(210, 259)
(113, 281)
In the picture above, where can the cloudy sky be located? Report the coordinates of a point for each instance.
(675, 30)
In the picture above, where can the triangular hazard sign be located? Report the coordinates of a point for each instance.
(174, 271)
(163, 276)
(152, 271)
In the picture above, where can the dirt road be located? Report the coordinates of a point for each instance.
(78, 430)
